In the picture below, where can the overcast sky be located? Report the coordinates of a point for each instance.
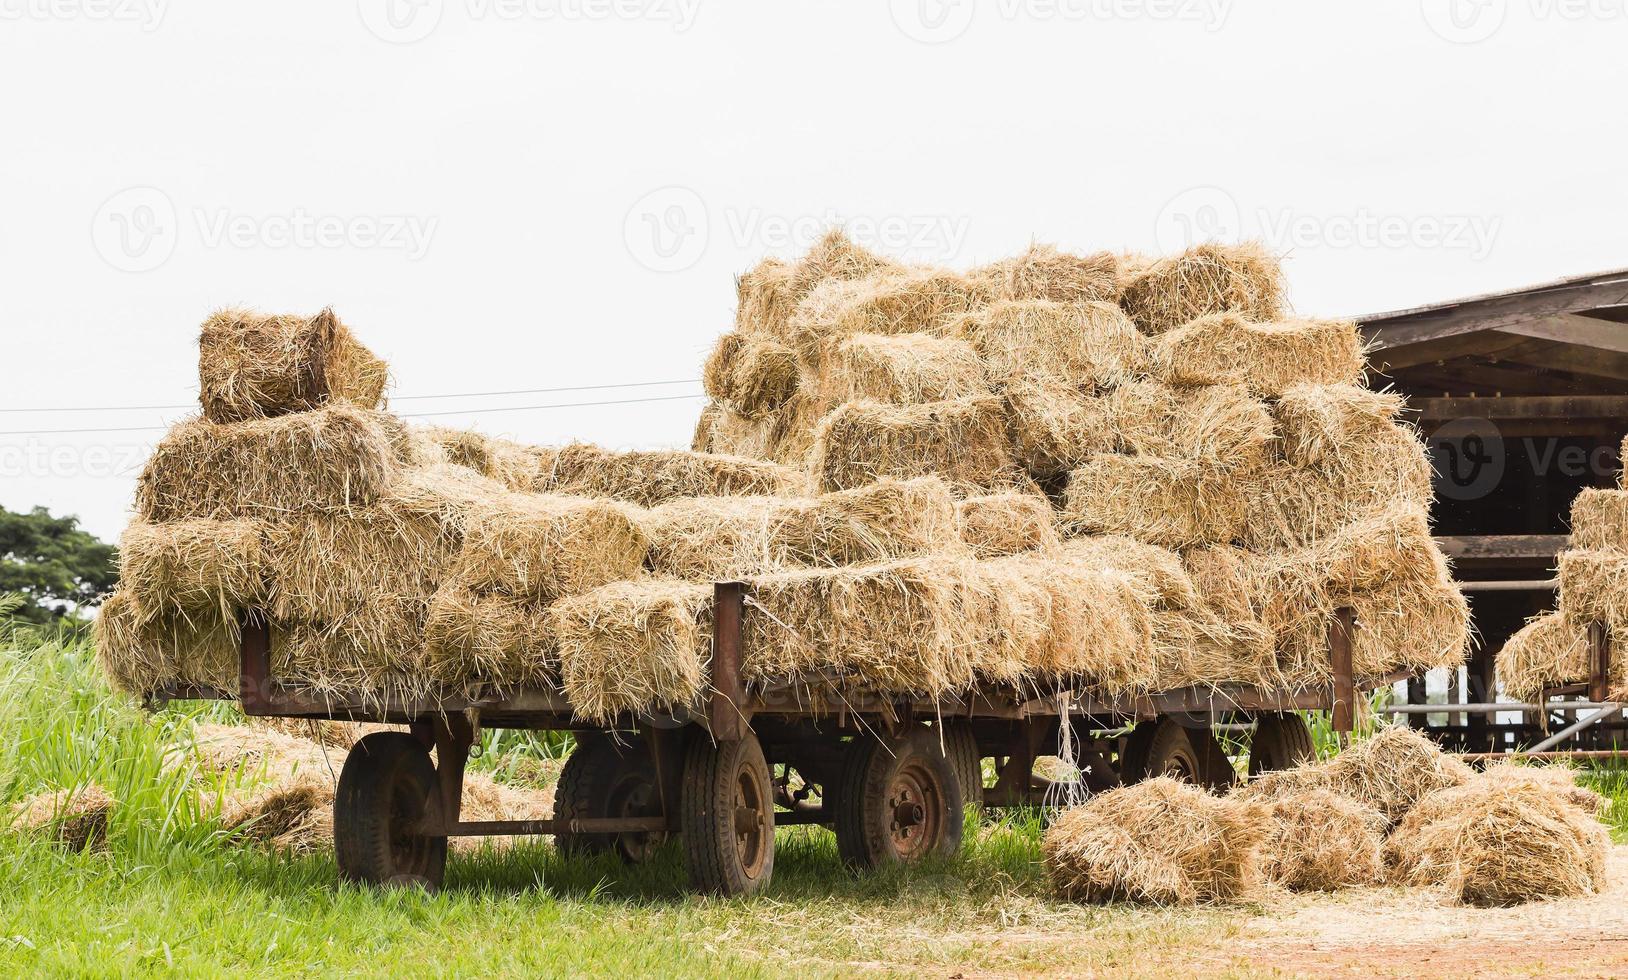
(523, 194)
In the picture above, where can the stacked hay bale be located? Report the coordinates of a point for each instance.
(1172, 404)
(1090, 471)
(386, 560)
(1553, 649)
(1389, 809)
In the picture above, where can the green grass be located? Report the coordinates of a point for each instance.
(172, 893)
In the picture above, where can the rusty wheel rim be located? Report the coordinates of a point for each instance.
(636, 797)
(1182, 766)
(752, 831)
(914, 812)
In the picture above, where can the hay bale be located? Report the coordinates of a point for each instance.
(1223, 425)
(1080, 343)
(1223, 577)
(75, 818)
(964, 441)
(1098, 627)
(1159, 841)
(1056, 426)
(1393, 770)
(1594, 588)
(1206, 279)
(1268, 358)
(293, 814)
(332, 459)
(511, 464)
(1599, 520)
(653, 477)
(633, 646)
(1045, 273)
(187, 565)
(1288, 505)
(1168, 501)
(141, 652)
(549, 545)
(1317, 422)
(892, 301)
(252, 365)
(504, 640)
(1502, 842)
(1549, 651)
(1000, 524)
(770, 291)
(903, 369)
(1286, 784)
(720, 538)
(1320, 841)
(751, 377)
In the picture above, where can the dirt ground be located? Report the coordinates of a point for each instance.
(1413, 932)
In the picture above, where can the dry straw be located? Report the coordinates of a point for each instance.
(1321, 841)
(1158, 841)
(497, 638)
(750, 376)
(251, 365)
(1210, 278)
(1222, 425)
(1502, 840)
(1549, 651)
(1056, 426)
(511, 464)
(770, 292)
(1599, 520)
(1594, 588)
(1080, 343)
(1001, 524)
(633, 646)
(1316, 423)
(902, 369)
(1389, 772)
(1268, 358)
(1046, 273)
(964, 441)
(169, 569)
(654, 477)
(142, 652)
(718, 538)
(1171, 501)
(547, 545)
(76, 817)
(1098, 627)
(332, 459)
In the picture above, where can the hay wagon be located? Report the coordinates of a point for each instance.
(889, 776)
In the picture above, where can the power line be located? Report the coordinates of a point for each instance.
(416, 415)
(399, 398)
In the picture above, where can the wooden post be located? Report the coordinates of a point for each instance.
(1599, 663)
(254, 665)
(726, 714)
(1343, 697)
(1417, 695)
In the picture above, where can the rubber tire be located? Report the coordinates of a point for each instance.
(597, 770)
(706, 815)
(962, 748)
(384, 772)
(1162, 747)
(863, 823)
(1282, 740)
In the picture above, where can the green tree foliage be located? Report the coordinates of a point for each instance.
(54, 566)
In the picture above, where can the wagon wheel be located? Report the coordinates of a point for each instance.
(1164, 748)
(605, 779)
(386, 792)
(726, 810)
(1282, 740)
(899, 802)
(962, 748)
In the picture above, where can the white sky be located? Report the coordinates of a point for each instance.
(488, 193)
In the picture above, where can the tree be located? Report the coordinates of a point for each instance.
(57, 568)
